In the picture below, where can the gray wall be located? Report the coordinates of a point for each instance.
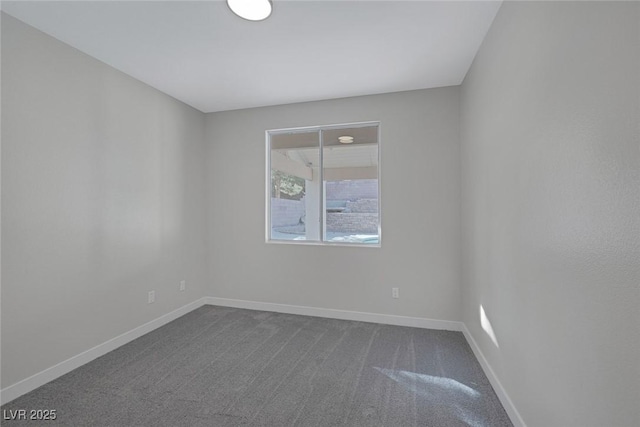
(551, 163)
(352, 189)
(420, 211)
(102, 200)
(286, 212)
(105, 196)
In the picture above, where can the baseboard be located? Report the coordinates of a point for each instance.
(22, 387)
(387, 319)
(513, 413)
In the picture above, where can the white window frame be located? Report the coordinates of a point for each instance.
(319, 129)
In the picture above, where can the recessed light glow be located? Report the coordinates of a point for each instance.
(252, 10)
(345, 139)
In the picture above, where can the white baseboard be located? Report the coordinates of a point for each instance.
(513, 413)
(22, 387)
(387, 319)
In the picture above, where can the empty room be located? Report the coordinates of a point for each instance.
(320, 213)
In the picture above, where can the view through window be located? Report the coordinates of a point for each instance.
(324, 184)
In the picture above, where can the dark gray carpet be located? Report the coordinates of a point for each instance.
(220, 366)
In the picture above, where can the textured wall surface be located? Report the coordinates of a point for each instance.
(102, 201)
(420, 156)
(551, 181)
(360, 223)
(352, 189)
(105, 196)
(285, 211)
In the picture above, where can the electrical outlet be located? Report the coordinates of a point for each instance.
(395, 292)
(152, 297)
(183, 285)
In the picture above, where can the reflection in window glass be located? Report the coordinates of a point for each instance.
(350, 173)
(331, 197)
(295, 209)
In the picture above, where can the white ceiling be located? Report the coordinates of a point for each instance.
(203, 55)
(352, 156)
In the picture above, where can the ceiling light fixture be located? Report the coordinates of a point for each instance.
(345, 139)
(251, 10)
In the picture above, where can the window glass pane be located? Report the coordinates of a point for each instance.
(295, 186)
(350, 173)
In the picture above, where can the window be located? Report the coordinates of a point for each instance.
(323, 184)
